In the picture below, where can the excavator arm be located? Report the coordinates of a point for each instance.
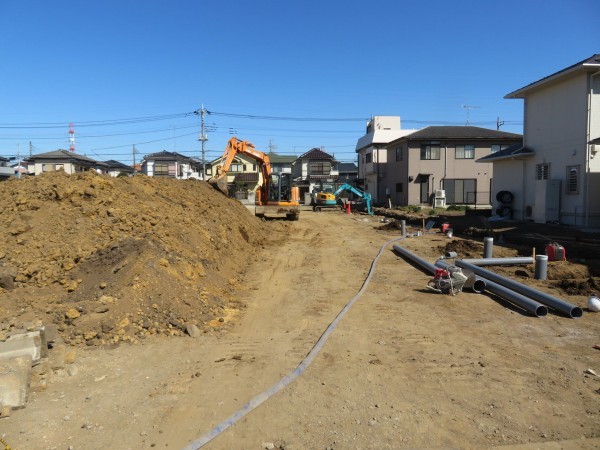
(364, 195)
(234, 147)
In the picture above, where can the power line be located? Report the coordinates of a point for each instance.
(93, 123)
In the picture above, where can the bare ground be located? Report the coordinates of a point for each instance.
(405, 368)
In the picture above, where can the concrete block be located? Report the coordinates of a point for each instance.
(15, 376)
(22, 344)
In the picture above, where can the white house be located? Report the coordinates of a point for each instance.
(555, 175)
(372, 153)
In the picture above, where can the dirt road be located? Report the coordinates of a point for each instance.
(404, 368)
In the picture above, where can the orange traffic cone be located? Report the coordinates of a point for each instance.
(348, 209)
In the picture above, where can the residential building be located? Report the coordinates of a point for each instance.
(281, 163)
(171, 164)
(372, 154)
(442, 158)
(65, 160)
(116, 168)
(243, 176)
(312, 169)
(348, 173)
(5, 170)
(555, 177)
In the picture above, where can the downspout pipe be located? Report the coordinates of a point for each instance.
(499, 261)
(547, 299)
(510, 296)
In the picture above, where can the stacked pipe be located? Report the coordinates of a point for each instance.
(528, 298)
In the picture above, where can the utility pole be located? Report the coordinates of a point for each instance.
(134, 152)
(203, 138)
(272, 146)
(498, 123)
(30, 149)
(18, 160)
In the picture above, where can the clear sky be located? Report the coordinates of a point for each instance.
(100, 64)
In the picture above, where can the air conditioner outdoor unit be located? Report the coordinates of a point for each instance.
(440, 193)
(440, 202)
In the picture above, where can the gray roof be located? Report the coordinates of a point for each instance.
(347, 167)
(166, 156)
(316, 153)
(508, 153)
(592, 63)
(281, 159)
(62, 155)
(113, 164)
(458, 132)
(2, 158)
(595, 141)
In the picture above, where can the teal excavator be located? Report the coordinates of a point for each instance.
(326, 199)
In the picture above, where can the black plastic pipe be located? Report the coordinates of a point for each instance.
(547, 299)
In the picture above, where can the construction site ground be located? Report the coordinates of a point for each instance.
(404, 368)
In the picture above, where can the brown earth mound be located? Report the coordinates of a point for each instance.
(118, 259)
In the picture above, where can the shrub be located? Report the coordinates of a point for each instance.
(456, 208)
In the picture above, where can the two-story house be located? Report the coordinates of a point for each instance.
(555, 177)
(312, 169)
(443, 158)
(372, 154)
(243, 176)
(171, 164)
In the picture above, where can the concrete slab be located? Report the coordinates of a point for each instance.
(29, 343)
(15, 376)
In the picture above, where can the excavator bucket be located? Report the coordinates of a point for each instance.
(219, 182)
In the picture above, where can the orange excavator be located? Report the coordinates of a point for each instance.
(275, 196)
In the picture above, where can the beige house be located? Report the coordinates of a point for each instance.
(243, 176)
(436, 166)
(555, 177)
(65, 160)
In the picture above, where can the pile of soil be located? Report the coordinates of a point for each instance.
(118, 259)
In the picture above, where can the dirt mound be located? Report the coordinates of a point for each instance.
(464, 248)
(117, 259)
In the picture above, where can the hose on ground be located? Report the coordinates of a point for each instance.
(306, 362)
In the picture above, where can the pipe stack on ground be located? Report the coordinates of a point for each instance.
(547, 299)
(515, 298)
(528, 298)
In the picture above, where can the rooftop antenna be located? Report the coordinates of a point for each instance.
(469, 108)
(71, 137)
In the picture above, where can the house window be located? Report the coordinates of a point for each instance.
(465, 152)
(498, 147)
(320, 167)
(368, 158)
(180, 170)
(573, 179)
(430, 150)
(399, 187)
(161, 168)
(460, 191)
(236, 167)
(398, 153)
(48, 167)
(542, 171)
(208, 170)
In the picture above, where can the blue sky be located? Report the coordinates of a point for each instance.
(96, 63)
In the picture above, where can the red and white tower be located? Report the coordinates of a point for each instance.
(71, 137)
